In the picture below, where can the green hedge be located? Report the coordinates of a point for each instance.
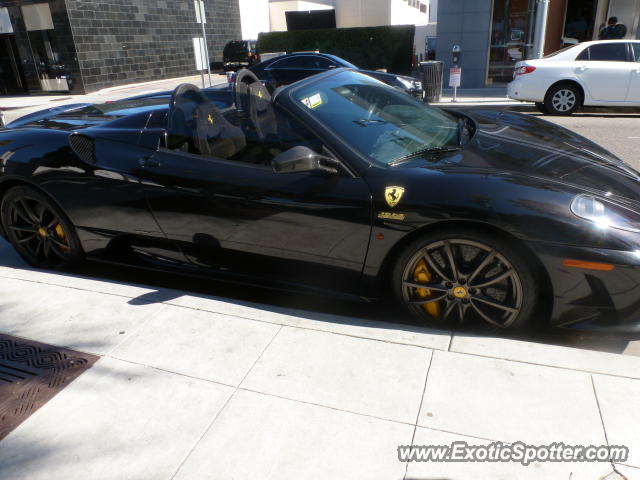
(369, 48)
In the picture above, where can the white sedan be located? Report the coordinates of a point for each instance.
(604, 73)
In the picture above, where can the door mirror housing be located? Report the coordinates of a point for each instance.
(302, 159)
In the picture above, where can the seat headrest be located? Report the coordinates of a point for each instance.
(209, 120)
(259, 97)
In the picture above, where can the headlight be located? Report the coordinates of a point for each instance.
(605, 214)
(406, 83)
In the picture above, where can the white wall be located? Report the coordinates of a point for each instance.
(352, 13)
(277, 9)
(362, 13)
(254, 18)
(404, 13)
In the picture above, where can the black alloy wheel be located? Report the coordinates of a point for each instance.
(38, 229)
(466, 278)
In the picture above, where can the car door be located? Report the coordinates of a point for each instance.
(633, 95)
(287, 70)
(227, 209)
(605, 71)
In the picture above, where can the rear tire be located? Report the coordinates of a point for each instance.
(39, 231)
(562, 99)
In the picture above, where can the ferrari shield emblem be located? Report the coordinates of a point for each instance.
(393, 195)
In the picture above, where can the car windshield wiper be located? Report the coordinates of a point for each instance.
(425, 151)
(364, 122)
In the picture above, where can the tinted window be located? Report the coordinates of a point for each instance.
(607, 52)
(636, 51)
(291, 62)
(318, 63)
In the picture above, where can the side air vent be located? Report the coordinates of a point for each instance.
(84, 147)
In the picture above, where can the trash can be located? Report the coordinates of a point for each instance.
(432, 73)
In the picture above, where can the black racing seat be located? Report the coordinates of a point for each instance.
(261, 113)
(215, 136)
(244, 79)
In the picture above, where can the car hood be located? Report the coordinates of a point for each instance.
(523, 144)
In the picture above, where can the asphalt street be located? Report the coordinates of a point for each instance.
(617, 132)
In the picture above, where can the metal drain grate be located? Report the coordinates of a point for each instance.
(31, 374)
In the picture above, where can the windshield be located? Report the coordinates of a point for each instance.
(382, 123)
(116, 109)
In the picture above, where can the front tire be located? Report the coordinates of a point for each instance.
(39, 231)
(562, 99)
(466, 277)
(541, 108)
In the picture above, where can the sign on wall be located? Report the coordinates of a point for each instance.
(199, 53)
(199, 6)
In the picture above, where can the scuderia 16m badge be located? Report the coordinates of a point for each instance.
(393, 195)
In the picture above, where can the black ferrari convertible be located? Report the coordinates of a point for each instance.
(336, 184)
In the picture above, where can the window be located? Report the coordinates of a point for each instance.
(318, 63)
(380, 122)
(636, 51)
(605, 52)
(291, 62)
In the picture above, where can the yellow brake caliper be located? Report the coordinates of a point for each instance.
(421, 274)
(60, 233)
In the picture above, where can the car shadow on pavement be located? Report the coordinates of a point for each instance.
(170, 287)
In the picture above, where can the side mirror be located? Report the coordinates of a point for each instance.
(302, 159)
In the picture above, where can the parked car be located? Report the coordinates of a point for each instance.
(342, 185)
(287, 69)
(594, 74)
(239, 54)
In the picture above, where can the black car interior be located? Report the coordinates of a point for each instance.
(252, 131)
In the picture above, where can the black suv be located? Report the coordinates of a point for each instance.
(239, 54)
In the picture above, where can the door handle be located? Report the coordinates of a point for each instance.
(149, 162)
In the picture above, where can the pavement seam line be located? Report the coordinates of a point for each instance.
(215, 417)
(604, 428)
(367, 415)
(136, 329)
(151, 302)
(415, 427)
(350, 335)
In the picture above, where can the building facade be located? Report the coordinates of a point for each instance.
(495, 34)
(81, 46)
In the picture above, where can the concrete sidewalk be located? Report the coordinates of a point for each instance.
(193, 386)
(482, 97)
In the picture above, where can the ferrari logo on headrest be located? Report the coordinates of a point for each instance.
(393, 195)
(210, 119)
(260, 94)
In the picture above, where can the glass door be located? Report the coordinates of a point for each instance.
(52, 73)
(11, 81)
(512, 31)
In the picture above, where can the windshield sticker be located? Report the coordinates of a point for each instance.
(313, 101)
